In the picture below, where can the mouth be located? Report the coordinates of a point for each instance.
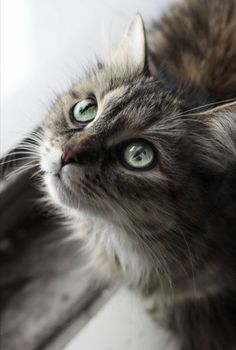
(70, 188)
(69, 192)
(60, 191)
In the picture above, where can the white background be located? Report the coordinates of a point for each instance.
(122, 324)
(44, 46)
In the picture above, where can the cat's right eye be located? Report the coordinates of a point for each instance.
(138, 155)
(84, 111)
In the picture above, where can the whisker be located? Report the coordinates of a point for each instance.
(21, 169)
(12, 160)
(207, 105)
(27, 152)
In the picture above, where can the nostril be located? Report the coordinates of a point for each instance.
(68, 155)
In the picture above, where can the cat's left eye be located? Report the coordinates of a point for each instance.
(138, 155)
(84, 111)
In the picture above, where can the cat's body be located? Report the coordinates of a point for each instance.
(168, 227)
(195, 43)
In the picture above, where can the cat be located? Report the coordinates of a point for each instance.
(140, 155)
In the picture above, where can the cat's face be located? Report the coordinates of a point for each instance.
(118, 146)
(105, 147)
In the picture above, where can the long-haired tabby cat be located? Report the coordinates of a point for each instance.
(143, 151)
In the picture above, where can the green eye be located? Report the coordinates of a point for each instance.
(84, 111)
(139, 155)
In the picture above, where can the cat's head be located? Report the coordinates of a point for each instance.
(122, 145)
(102, 148)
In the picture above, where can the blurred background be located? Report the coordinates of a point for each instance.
(48, 301)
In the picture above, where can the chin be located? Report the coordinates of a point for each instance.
(62, 195)
(59, 193)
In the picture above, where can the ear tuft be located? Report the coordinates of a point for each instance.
(132, 48)
(218, 142)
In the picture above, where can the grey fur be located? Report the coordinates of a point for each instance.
(170, 231)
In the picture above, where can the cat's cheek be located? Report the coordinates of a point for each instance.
(53, 187)
(60, 195)
(50, 160)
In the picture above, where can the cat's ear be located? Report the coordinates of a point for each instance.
(222, 120)
(131, 51)
(218, 141)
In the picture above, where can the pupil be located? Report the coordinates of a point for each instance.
(139, 154)
(138, 158)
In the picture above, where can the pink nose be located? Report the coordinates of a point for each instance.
(68, 155)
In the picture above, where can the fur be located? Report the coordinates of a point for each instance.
(168, 231)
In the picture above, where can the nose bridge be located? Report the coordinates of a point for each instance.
(83, 142)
